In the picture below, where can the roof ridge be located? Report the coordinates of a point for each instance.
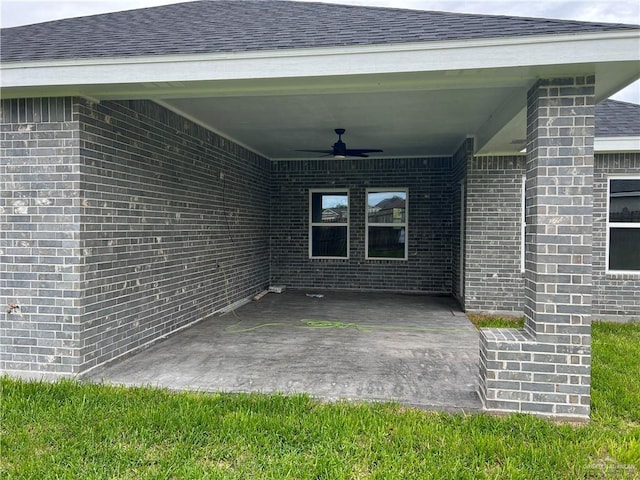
(337, 5)
(489, 15)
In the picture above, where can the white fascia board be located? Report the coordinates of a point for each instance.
(602, 145)
(616, 144)
(590, 48)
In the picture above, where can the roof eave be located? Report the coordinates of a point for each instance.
(490, 53)
(630, 143)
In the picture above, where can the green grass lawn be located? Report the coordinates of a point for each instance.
(83, 431)
(486, 321)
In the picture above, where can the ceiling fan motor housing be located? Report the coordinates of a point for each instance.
(339, 148)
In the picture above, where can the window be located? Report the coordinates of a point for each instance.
(386, 224)
(329, 223)
(624, 224)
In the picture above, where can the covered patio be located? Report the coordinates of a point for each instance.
(155, 178)
(417, 350)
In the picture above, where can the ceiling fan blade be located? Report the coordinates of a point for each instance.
(340, 149)
(355, 151)
(316, 151)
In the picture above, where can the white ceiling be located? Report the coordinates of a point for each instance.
(402, 123)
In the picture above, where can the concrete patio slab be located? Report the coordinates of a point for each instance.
(413, 349)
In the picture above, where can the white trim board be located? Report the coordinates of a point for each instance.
(617, 144)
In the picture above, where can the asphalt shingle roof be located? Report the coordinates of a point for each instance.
(235, 26)
(617, 119)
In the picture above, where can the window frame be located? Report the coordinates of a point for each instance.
(321, 224)
(634, 225)
(405, 224)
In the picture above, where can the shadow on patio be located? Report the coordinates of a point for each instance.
(413, 349)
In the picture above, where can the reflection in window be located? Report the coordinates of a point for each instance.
(329, 224)
(386, 224)
(624, 224)
(329, 242)
(624, 201)
(624, 249)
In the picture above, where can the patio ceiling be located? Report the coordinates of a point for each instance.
(405, 115)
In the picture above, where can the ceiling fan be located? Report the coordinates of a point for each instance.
(340, 149)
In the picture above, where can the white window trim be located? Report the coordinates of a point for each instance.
(320, 224)
(618, 225)
(405, 224)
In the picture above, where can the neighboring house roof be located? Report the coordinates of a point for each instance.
(617, 119)
(249, 25)
(394, 202)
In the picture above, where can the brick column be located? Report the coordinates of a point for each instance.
(40, 203)
(545, 368)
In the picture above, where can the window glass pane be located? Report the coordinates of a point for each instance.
(624, 203)
(386, 207)
(329, 241)
(329, 207)
(386, 242)
(624, 249)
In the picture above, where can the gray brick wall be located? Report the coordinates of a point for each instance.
(493, 241)
(40, 240)
(546, 367)
(495, 282)
(162, 224)
(428, 268)
(175, 225)
(615, 296)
